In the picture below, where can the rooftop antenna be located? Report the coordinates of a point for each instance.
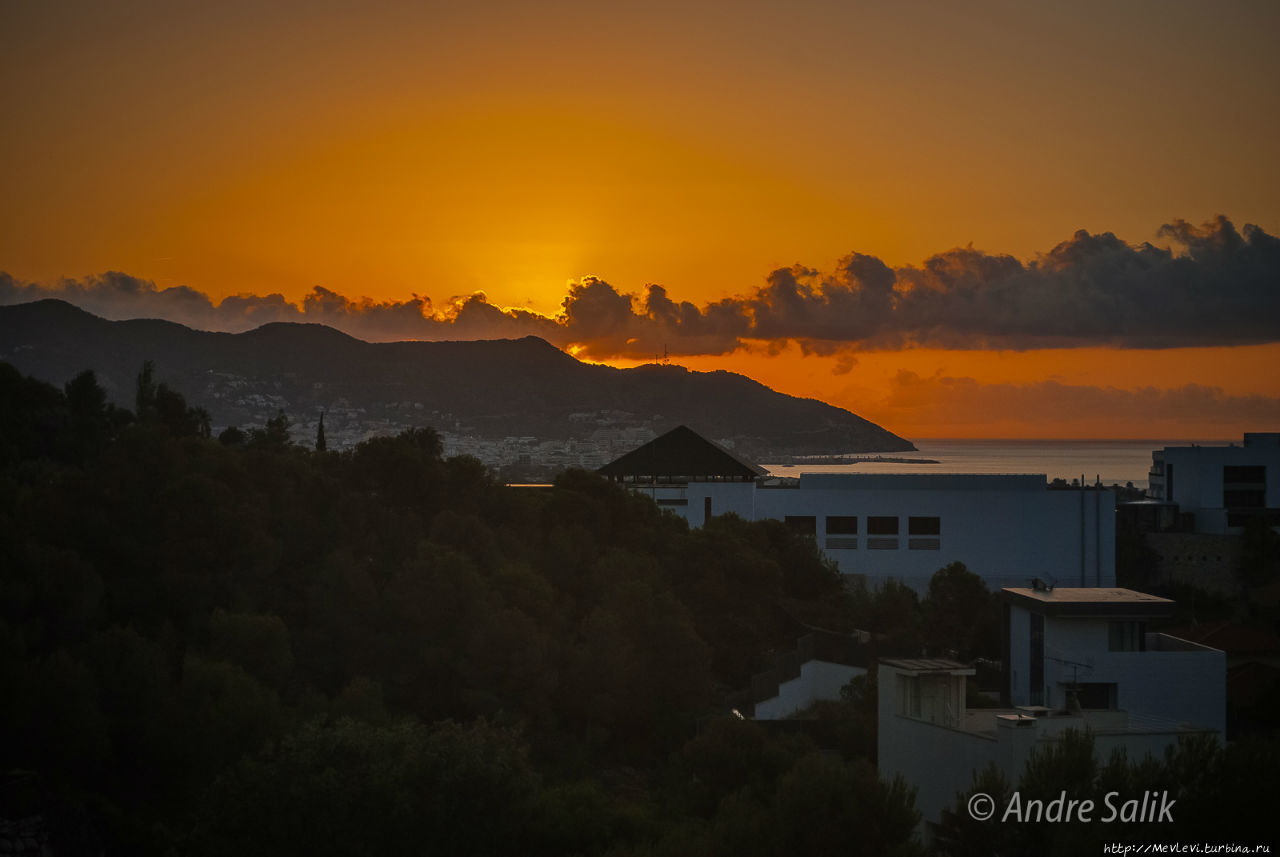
(1073, 689)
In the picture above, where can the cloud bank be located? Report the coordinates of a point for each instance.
(1216, 286)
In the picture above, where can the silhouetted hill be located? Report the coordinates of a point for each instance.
(493, 388)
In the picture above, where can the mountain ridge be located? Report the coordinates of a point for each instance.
(488, 388)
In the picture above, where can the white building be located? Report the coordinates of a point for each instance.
(1220, 486)
(816, 681)
(1076, 658)
(821, 665)
(905, 526)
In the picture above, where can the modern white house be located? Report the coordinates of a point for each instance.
(1093, 644)
(1076, 658)
(1006, 528)
(1220, 487)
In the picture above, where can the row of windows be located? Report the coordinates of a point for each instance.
(882, 531)
(877, 525)
(883, 543)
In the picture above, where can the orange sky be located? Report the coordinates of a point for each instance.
(1078, 393)
(394, 149)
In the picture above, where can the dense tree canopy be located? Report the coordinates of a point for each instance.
(378, 646)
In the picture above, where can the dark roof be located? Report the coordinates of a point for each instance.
(681, 454)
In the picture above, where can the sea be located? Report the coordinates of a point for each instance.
(1115, 462)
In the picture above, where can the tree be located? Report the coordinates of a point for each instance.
(959, 834)
(32, 416)
(276, 433)
(159, 403)
(960, 614)
(825, 806)
(258, 643)
(352, 788)
(145, 394)
(321, 446)
(894, 611)
(92, 421)
(404, 470)
(232, 436)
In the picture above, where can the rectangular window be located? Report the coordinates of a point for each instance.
(924, 526)
(882, 526)
(1255, 474)
(1097, 695)
(842, 543)
(924, 544)
(805, 525)
(842, 525)
(1124, 636)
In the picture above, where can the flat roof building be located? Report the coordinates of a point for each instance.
(1005, 528)
(1075, 658)
(1220, 487)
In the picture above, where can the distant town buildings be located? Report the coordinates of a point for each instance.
(587, 453)
(599, 436)
(1006, 528)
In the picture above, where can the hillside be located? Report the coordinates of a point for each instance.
(492, 388)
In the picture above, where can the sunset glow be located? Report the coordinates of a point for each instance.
(531, 170)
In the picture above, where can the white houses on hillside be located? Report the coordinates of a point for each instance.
(1008, 528)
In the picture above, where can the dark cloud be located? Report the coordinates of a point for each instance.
(1216, 286)
(845, 361)
(606, 322)
(369, 319)
(1224, 289)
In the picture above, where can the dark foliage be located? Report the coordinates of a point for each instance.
(244, 646)
(1220, 794)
